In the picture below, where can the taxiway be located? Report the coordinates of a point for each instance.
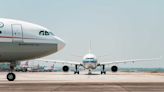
(57, 81)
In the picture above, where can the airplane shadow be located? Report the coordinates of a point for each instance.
(92, 74)
(78, 74)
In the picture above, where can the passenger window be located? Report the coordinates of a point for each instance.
(0, 32)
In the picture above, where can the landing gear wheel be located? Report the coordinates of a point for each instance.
(11, 76)
(103, 72)
(76, 72)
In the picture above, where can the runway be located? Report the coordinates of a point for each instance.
(61, 82)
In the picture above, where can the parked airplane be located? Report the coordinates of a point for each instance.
(90, 62)
(24, 67)
(36, 68)
(21, 40)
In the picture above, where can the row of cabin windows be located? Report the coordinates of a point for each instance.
(46, 33)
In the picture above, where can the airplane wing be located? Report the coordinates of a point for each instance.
(60, 61)
(126, 61)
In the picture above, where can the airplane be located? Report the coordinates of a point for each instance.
(90, 62)
(20, 40)
(35, 68)
(25, 66)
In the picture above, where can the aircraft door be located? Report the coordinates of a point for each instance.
(17, 33)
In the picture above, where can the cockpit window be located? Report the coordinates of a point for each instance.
(45, 33)
(90, 58)
(41, 33)
(51, 33)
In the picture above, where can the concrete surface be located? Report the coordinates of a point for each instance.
(55, 82)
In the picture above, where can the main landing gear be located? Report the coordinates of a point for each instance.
(11, 76)
(103, 70)
(76, 70)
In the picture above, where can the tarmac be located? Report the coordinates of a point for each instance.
(62, 82)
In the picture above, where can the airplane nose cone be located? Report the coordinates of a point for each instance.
(61, 43)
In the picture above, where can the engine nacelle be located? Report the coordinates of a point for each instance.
(65, 68)
(114, 68)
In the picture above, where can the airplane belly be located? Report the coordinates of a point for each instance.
(25, 51)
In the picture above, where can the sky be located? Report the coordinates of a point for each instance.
(117, 29)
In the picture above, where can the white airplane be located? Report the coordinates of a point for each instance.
(25, 66)
(21, 41)
(90, 62)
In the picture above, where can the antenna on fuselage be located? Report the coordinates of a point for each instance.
(90, 46)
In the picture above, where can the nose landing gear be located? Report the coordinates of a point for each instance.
(11, 76)
(90, 72)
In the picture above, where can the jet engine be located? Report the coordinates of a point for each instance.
(114, 68)
(65, 68)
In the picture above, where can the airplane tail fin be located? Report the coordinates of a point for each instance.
(90, 47)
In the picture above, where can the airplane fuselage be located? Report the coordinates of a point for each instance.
(21, 40)
(90, 61)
